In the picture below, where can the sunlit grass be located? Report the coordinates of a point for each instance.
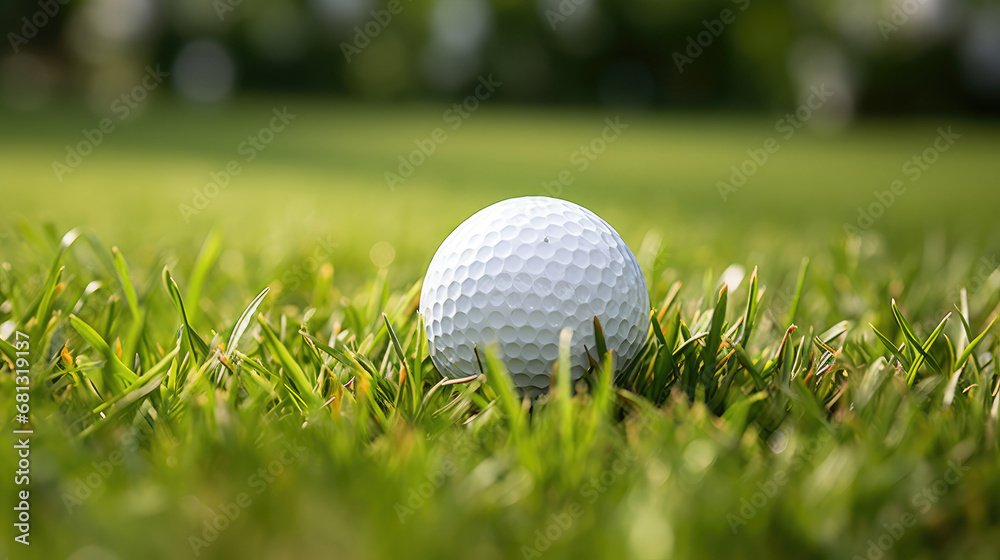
(817, 427)
(790, 442)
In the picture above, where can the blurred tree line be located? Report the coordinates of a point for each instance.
(889, 56)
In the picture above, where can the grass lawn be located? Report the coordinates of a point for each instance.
(176, 416)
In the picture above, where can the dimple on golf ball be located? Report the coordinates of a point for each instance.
(517, 273)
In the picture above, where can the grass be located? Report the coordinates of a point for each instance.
(659, 174)
(808, 408)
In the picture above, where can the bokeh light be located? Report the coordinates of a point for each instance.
(204, 72)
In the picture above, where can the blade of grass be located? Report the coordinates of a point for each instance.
(911, 374)
(657, 329)
(117, 375)
(903, 359)
(751, 313)
(397, 348)
(744, 359)
(600, 341)
(241, 326)
(140, 387)
(911, 338)
(207, 256)
(833, 332)
(43, 311)
(195, 343)
(714, 339)
(301, 384)
(799, 286)
(8, 350)
(668, 300)
(125, 280)
(499, 380)
(971, 347)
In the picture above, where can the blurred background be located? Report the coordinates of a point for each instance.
(887, 57)
(121, 112)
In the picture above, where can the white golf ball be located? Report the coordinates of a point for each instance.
(517, 273)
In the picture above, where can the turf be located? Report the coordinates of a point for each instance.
(810, 408)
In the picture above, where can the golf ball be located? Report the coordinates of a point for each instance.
(516, 274)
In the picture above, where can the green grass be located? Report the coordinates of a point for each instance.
(163, 372)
